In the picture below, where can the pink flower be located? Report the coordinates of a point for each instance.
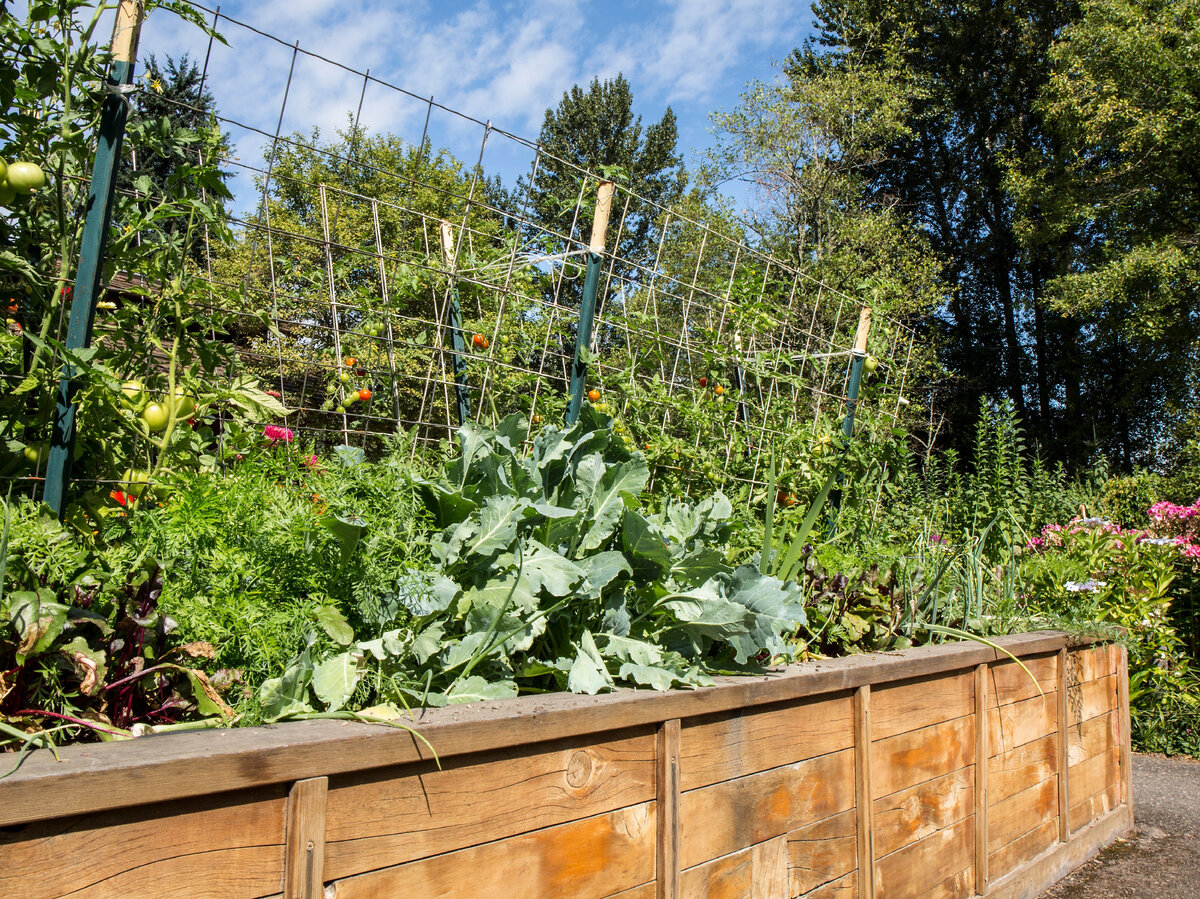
(311, 461)
(275, 433)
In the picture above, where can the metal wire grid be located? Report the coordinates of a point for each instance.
(370, 277)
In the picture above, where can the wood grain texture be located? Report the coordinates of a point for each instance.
(757, 872)
(91, 778)
(1092, 698)
(1064, 724)
(1023, 849)
(917, 756)
(666, 778)
(1018, 723)
(304, 839)
(1018, 769)
(1093, 737)
(917, 812)
(644, 891)
(162, 850)
(822, 852)
(919, 703)
(864, 792)
(923, 868)
(592, 857)
(725, 746)
(1007, 683)
(1096, 663)
(401, 814)
(843, 888)
(1044, 870)
(719, 820)
(1095, 787)
(1095, 807)
(1123, 727)
(1018, 814)
(983, 695)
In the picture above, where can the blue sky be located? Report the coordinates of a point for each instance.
(503, 62)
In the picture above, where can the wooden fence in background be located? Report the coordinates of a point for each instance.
(941, 771)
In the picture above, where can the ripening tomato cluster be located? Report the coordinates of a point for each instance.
(19, 179)
(353, 395)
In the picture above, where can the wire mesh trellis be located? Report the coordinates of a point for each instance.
(343, 279)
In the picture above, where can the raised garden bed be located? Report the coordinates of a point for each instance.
(791, 784)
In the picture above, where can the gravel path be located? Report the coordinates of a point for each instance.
(1160, 859)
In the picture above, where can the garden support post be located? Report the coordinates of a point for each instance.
(92, 246)
(587, 309)
(456, 330)
(858, 357)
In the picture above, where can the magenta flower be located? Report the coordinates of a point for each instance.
(275, 433)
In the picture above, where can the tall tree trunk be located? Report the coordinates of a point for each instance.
(1013, 352)
(1041, 349)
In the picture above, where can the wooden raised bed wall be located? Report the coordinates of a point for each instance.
(934, 772)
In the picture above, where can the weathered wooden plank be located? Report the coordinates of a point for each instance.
(667, 754)
(900, 708)
(720, 819)
(725, 746)
(1091, 699)
(304, 846)
(864, 791)
(923, 868)
(917, 812)
(1064, 722)
(405, 813)
(157, 850)
(1008, 683)
(97, 777)
(1016, 815)
(822, 852)
(1095, 806)
(1123, 726)
(1018, 769)
(1022, 722)
(1095, 663)
(1098, 775)
(644, 891)
(592, 857)
(908, 759)
(983, 695)
(956, 886)
(845, 887)
(756, 872)
(1093, 737)
(1023, 849)
(1048, 868)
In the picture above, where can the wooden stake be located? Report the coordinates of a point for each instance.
(304, 850)
(1064, 795)
(127, 29)
(604, 197)
(981, 771)
(863, 800)
(1123, 732)
(864, 329)
(667, 788)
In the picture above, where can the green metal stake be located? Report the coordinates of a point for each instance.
(456, 332)
(587, 309)
(857, 359)
(92, 246)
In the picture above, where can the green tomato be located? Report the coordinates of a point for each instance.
(135, 481)
(132, 392)
(37, 453)
(26, 177)
(184, 403)
(156, 417)
(870, 364)
(344, 377)
(7, 194)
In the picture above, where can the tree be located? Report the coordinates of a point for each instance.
(596, 131)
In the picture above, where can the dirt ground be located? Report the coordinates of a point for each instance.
(1160, 859)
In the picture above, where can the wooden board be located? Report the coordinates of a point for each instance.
(917, 812)
(1022, 812)
(843, 888)
(593, 857)
(1093, 737)
(898, 709)
(398, 816)
(1018, 723)
(822, 852)
(163, 850)
(923, 868)
(645, 891)
(1091, 699)
(1018, 769)
(1096, 806)
(720, 819)
(721, 747)
(1023, 849)
(666, 791)
(757, 872)
(1094, 664)
(1009, 684)
(912, 758)
(304, 834)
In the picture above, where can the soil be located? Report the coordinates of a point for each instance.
(1160, 858)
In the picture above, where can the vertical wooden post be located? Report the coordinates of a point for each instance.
(90, 270)
(981, 771)
(1123, 729)
(304, 850)
(863, 800)
(456, 330)
(1064, 794)
(667, 795)
(587, 309)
